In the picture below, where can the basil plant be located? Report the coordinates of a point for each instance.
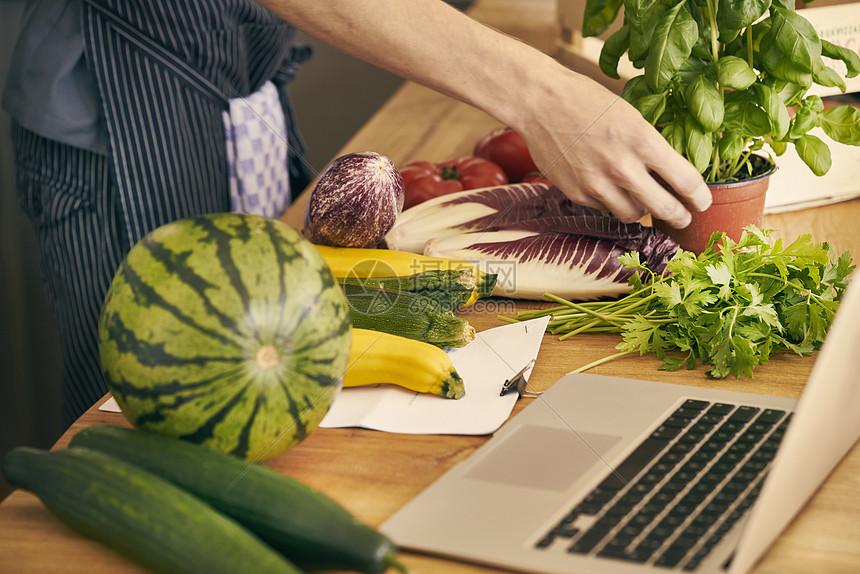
(723, 78)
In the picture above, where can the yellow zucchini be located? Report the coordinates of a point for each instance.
(358, 262)
(382, 358)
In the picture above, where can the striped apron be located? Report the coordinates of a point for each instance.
(165, 71)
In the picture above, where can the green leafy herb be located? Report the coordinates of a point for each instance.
(729, 308)
(719, 78)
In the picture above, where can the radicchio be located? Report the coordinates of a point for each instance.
(555, 245)
(530, 264)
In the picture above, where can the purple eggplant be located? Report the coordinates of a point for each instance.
(355, 201)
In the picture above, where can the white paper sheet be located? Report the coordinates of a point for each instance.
(484, 364)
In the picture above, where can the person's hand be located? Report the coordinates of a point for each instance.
(601, 153)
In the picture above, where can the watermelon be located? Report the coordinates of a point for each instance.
(226, 330)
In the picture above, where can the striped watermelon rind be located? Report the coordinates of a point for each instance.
(226, 330)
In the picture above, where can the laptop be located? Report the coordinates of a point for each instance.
(613, 475)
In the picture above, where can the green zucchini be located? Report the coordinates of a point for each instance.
(450, 288)
(444, 279)
(407, 314)
(310, 529)
(138, 513)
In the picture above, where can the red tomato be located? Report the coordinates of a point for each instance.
(423, 180)
(508, 149)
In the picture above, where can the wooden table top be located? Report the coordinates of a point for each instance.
(374, 473)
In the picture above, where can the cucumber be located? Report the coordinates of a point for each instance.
(310, 529)
(138, 513)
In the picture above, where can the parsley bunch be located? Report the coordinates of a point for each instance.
(730, 307)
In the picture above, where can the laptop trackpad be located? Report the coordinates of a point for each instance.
(543, 457)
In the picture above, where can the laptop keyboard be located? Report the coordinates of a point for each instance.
(672, 500)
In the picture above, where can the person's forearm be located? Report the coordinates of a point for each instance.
(429, 42)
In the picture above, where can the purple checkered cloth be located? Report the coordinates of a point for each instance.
(256, 134)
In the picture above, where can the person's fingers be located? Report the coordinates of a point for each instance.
(680, 177)
(601, 192)
(638, 197)
(580, 197)
(630, 191)
(620, 202)
(636, 211)
(660, 202)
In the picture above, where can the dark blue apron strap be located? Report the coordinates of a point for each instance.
(163, 115)
(157, 52)
(165, 134)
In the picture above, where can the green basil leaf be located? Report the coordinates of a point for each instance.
(776, 112)
(702, 49)
(728, 36)
(848, 57)
(778, 147)
(739, 96)
(651, 107)
(705, 103)
(635, 88)
(699, 145)
(829, 78)
(642, 34)
(673, 132)
(599, 14)
(842, 123)
(738, 14)
(814, 103)
(735, 43)
(746, 118)
(796, 38)
(755, 145)
(734, 72)
(612, 50)
(671, 46)
(731, 145)
(790, 94)
(673, 108)
(638, 45)
(775, 62)
(693, 68)
(814, 153)
(804, 120)
(637, 11)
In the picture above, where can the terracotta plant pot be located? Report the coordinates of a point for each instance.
(735, 205)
